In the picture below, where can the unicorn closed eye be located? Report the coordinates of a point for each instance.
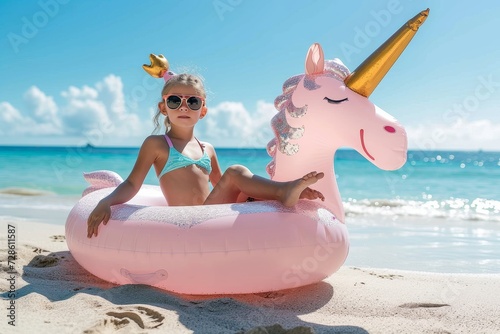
(257, 246)
(327, 107)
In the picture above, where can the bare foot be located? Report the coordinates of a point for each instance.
(300, 189)
(311, 194)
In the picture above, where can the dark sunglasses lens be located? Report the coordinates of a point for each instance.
(194, 103)
(173, 102)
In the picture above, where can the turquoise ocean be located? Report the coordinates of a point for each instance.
(439, 213)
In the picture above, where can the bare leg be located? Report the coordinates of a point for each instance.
(238, 179)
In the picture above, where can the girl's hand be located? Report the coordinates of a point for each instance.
(101, 213)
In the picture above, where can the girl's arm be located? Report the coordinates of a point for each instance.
(216, 173)
(127, 189)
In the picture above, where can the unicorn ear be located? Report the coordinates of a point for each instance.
(315, 60)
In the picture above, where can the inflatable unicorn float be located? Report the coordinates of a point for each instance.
(255, 246)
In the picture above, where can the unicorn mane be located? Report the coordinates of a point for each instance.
(284, 133)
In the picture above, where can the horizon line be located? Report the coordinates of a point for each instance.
(88, 147)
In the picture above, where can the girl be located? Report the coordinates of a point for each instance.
(184, 165)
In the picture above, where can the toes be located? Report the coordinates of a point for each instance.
(308, 176)
(313, 175)
(320, 195)
(316, 194)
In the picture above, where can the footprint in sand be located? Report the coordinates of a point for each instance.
(38, 250)
(59, 238)
(278, 329)
(121, 317)
(423, 305)
(388, 276)
(270, 295)
(43, 261)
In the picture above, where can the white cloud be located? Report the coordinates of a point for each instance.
(39, 122)
(42, 107)
(97, 114)
(83, 110)
(9, 117)
(461, 135)
(85, 92)
(230, 124)
(111, 93)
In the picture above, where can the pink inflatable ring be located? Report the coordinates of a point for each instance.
(257, 246)
(214, 249)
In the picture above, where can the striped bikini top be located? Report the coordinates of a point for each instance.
(176, 160)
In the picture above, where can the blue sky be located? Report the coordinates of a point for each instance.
(71, 70)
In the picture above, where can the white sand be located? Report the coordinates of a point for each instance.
(55, 295)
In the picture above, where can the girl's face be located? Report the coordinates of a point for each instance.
(183, 115)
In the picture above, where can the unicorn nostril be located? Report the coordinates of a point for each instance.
(389, 129)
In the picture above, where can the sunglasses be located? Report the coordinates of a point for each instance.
(175, 101)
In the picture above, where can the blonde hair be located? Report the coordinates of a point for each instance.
(178, 79)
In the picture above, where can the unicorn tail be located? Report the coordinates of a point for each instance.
(101, 179)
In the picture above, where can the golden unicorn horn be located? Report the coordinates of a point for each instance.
(368, 75)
